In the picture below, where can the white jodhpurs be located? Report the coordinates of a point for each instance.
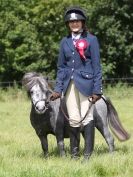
(77, 107)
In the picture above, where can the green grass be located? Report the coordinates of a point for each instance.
(21, 154)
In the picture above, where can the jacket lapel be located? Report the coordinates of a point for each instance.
(70, 43)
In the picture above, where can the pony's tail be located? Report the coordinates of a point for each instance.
(114, 121)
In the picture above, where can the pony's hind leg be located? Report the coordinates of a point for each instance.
(101, 123)
(104, 130)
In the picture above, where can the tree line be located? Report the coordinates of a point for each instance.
(31, 30)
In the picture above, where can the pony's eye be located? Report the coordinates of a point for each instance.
(31, 92)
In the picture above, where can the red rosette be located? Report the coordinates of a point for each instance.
(81, 45)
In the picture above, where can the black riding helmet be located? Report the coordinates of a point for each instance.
(74, 13)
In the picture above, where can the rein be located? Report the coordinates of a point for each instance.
(89, 107)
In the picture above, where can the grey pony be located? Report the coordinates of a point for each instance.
(51, 118)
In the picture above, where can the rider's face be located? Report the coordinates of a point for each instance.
(75, 25)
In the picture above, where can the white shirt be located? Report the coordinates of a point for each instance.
(75, 37)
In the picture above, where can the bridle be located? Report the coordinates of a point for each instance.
(45, 107)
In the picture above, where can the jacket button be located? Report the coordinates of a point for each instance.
(71, 77)
(73, 61)
(73, 53)
(87, 75)
(72, 69)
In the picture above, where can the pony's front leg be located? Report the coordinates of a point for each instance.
(44, 144)
(59, 133)
(60, 142)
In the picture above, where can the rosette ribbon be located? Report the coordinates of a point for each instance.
(81, 45)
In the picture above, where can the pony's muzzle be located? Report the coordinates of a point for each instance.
(41, 107)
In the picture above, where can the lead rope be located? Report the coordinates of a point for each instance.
(89, 107)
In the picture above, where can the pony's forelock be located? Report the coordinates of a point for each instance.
(32, 78)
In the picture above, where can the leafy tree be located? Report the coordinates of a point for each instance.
(19, 46)
(112, 22)
(30, 32)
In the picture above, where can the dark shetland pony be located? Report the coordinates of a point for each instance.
(47, 116)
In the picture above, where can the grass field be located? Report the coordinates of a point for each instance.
(21, 154)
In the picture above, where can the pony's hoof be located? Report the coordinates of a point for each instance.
(86, 159)
(75, 157)
(111, 151)
(63, 154)
(46, 155)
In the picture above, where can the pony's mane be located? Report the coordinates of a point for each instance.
(32, 78)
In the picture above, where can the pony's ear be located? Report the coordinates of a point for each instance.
(46, 78)
(49, 92)
(50, 82)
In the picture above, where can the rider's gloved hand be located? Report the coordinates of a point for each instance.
(54, 96)
(94, 98)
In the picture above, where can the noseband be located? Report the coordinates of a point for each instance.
(46, 104)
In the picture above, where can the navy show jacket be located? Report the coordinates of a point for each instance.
(87, 75)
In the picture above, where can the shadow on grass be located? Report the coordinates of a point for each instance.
(98, 150)
(54, 152)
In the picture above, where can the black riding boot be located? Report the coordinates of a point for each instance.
(89, 133)
(74, 141)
